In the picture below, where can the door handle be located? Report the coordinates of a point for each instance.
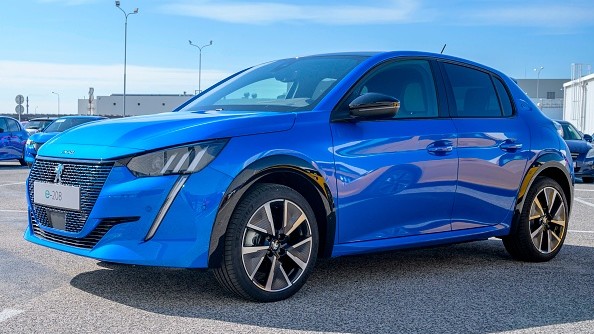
(510, 145)
(440, 147)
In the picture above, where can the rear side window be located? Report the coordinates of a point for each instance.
(13, 126)
(3, 127)
(506, 104)
(474, 93)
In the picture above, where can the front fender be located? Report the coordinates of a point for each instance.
(302, 174)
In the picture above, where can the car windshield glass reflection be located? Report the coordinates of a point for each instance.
(64, 124)
(285, 85)
(570, 133)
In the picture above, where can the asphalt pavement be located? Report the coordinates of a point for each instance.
(467, 288)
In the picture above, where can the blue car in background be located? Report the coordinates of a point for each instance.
(51, 130)
(582, 152)
(308, 157)
(12, 140)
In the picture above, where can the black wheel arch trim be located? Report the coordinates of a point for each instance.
(545, 164)
(259, 171)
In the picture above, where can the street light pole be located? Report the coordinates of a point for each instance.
(537, 70)
(200, 63)
(117, 3)
(58, 102)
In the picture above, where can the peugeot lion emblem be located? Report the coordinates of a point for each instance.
(59, 169)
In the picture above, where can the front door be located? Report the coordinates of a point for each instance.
(396, 177)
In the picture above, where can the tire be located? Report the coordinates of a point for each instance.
(271, 244)
(23, 162)
(542, 226)
(586, 179)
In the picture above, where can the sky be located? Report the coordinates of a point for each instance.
(68, 46)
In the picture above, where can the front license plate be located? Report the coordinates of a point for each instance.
(56, 195)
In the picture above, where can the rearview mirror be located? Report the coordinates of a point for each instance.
(374, 105)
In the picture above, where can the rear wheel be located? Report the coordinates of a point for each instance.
(542, 226)
(270, 246)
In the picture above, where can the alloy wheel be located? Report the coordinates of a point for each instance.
(276, 245)
(548, 220)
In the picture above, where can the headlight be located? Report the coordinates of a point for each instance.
(178, 160)
(590, 153)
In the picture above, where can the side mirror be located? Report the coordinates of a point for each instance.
(374, 105)
(588, 138)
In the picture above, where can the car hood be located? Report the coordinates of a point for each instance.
(115, 138)
(578, 146)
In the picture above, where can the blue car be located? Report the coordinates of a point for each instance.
(309, 157)
(582, 151)
(50, 131)
(12, 140)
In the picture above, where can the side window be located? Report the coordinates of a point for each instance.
(410, 81)
(474, 93)
(13, 126)
(3, 126)
(506, 104)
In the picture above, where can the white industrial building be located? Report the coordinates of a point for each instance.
(579, 103)
(136, 104)
(547, 94)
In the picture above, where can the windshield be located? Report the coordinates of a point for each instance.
(36, 124)
(284, 85)
(570, 133)
(64, 124)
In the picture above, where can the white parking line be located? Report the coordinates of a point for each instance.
(577, 231)
(15, 211)
(11, 184)
(9, 313)
(576, 189)
(584, 202)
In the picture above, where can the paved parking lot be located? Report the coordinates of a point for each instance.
(466, 288)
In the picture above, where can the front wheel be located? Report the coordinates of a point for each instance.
(542, 225)
(271, 244)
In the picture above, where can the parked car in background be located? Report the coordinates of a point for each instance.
(12, 139)
(51, 130)
(582, 151)
(309, 157)
(37, 124)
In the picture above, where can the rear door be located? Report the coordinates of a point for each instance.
(4, 139)
(17, 139)
(395, 177)
(493, 146)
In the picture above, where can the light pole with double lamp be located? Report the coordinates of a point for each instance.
(200, 63)
(117, 3)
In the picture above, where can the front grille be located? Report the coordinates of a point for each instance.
(89, 177)
(87, 242)
(574, 156)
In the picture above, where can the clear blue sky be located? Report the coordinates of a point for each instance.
(67, 46)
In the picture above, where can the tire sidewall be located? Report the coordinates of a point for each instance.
(253, 200)
(524, 228)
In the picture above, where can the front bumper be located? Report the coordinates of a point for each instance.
(584, 168)
(124, 212)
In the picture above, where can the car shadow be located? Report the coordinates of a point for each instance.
(473, 287)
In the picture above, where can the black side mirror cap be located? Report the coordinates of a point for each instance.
(375, 106)
(588, 138)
